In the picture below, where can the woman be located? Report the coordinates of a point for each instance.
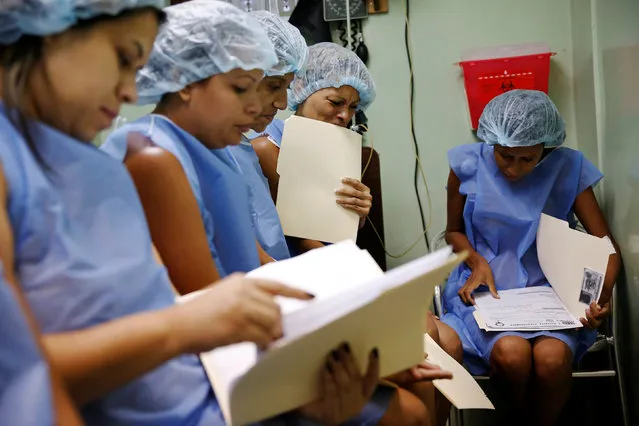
(332, 87)
(30, 392)
(79, 243)
(497, 191)
(291, 51)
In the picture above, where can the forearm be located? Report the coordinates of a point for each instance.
(460, 243)
(99, 359)
(304, 245)
(612, 272)
(263, 255)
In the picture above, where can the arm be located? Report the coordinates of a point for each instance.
(591, 217)
(455, 235)
(64, 410)
(455, 230)
(174, 218)
(263, 255)
(268, 153)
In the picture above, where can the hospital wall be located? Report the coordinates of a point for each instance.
(440, 31)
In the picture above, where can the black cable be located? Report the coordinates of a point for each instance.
(412, 124)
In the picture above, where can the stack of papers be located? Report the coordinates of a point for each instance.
(313, 159)
(355, 302)
(573, 262)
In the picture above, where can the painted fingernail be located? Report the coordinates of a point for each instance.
(329, 368)
(335, 355)
(347, 347)
(376, 353)
(310, 295)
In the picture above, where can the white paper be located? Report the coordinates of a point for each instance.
(385, 313)
(462, 390)
(524, 309)
(566, 256)
(314, 157)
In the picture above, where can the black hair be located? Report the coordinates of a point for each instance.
(18, 61)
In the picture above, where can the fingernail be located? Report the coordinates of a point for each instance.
(588, 311)
(347, 347)
(337, 191)
(376, 353)
(335, 355)
(329, 368)
(310, 295)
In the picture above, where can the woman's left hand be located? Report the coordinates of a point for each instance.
(355, 196)
(595, 315)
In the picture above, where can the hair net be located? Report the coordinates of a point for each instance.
(290, 46)
(202, 38)
(522, 118)
(330, 65)
(46, 17)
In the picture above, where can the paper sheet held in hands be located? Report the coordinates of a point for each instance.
(355, 302)
(573, 262)
(313, 159)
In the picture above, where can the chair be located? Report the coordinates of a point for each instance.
(367, 239)
(605, 342)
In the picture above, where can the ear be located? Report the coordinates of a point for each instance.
(186, 93)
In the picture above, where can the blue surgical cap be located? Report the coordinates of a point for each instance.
(522, 118)
(202, 38)
(47, 17)
(331, 65)
(290, 46)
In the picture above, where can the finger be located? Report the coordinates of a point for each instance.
(361, 211)
(592, 321)
(354, 201)
(256, 334)
(371, 378)
(493, 291)
(584, 322)
(261, 309)
(428, 375)
(604, 312)
(340, 374)
(277, 289)
(346, 357)
(462, 295)
(356, 183)
(348, 191)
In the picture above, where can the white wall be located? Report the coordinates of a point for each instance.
(441, 30)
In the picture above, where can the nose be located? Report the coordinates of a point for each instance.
(254, 106)
(344, 116)
(281, 101)
(127, 90)
(514, 170)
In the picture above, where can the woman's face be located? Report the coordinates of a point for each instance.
(223, 107)
(335, 106)
(274, 97)
(517, 163)
(86, 74)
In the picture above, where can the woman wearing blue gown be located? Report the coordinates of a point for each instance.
(79, 244)
(29, 393)
(497, 191)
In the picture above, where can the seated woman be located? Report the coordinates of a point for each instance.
(497, 191)
(331, 88)
(336, 84)
(74, 233)
(292, 52)
(31, 393)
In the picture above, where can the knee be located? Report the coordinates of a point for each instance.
(450, 342)
(431, 328)
(406, 409)
(512, 357)
(553, 362)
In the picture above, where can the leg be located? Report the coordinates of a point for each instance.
(552, 380)
(406, 409)
(449, 342)
(431, 327)
(511, 363)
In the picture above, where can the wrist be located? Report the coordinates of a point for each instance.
(474, 259)
(175, 326)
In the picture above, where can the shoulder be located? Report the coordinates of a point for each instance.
(464, 159)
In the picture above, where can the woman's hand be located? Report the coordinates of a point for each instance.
(481, 275)
(422, 372)
(344, 391)
(235, 309)
(355, 196)
(595, 315)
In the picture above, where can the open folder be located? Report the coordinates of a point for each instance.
(355, 302)
(313, 159)
(573, 262)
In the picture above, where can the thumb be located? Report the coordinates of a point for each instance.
(276, 289)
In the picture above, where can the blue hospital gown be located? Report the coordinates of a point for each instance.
(501, 220)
